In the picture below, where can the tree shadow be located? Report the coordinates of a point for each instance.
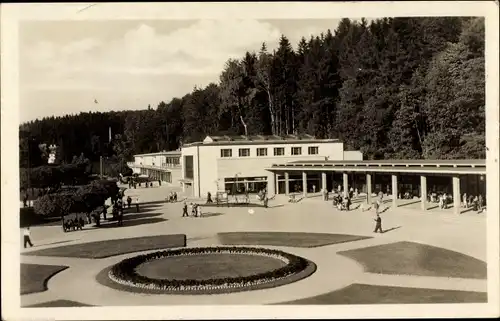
(391, 229)
(128, 223)
(143, 208)
(140, 215)
(150, 203)
(232, 205)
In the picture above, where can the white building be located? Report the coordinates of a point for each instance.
(165, 166)
(239, 163)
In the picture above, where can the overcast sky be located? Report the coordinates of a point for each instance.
(65, 65)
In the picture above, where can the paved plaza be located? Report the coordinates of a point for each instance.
(465, 234)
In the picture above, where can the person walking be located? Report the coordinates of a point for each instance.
(480, 203)
(441, 199)
(198, 210)
(185, 210)
(445, 201)
(378, 224)
(464, 200)
(27, 239)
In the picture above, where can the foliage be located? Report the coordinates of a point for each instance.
(394, 87)
(83, 199)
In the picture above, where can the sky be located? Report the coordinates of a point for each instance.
(64, 66)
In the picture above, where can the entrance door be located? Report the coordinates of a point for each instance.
(188, 189)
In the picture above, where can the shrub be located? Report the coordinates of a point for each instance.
(27, 217)
(82, 199)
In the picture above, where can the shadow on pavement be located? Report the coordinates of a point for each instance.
(151, 220)
(391, 229)
(211, 214)
(409, 203)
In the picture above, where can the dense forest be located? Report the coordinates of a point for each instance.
(393, 88)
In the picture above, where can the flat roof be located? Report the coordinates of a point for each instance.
(271, 140)
(400, 162)
(457, 166)
(169, 153)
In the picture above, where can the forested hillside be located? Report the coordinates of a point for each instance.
(394, 88)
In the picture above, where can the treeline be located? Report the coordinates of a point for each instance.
(393, 88)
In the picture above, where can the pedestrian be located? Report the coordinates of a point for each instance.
(378, 224)
(137, 204)
(480, 203)
(129, 201)
(159, 182)
(185, 210)
(464, 200)
(198, 210)
(314, 188)
(120, 218)
(356, 193)
(445, 201)
(441, 200)
(376, 205)
(27, 239)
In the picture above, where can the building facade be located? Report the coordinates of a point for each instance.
(164, 166)
(239, 163)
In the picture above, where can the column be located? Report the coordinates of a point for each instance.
(304, 184)
(456, 194)
(346, 184)
(271, 188)
(423, 192)
(369, 188)
(287, 183)
(394, 191)
(276, 184)
(323, 181)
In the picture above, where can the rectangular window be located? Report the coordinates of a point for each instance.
(279, 151)
(226, 152)
(296, 151)
(261, 151)
(244, 152)
(188, 167)
(312, 150)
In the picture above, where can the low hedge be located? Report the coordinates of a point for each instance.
(125, 273)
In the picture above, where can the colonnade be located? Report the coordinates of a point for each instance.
(272, 184)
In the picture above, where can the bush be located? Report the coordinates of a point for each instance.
(82, 199)
(28, 217)
(125, 271)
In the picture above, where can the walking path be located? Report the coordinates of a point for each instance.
(441, 229)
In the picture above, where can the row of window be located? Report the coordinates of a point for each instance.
(278, 151)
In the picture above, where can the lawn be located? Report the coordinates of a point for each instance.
(290, 239)
(375, 294)
(103, 279)
(34, 277)
(408, 258)
(107, 248)
(208, 266)
(59, 304)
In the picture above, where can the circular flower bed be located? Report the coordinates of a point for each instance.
(124, 275)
